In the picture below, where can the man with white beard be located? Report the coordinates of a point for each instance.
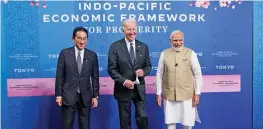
(179, 82)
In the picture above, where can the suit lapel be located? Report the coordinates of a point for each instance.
(85, 60)
(137, 53)
(73, 56)
(125, 51)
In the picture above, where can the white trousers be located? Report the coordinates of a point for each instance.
(180, 112)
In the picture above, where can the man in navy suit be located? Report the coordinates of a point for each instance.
(128, 64)
(77, 81)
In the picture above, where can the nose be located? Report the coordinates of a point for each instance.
(82, 41)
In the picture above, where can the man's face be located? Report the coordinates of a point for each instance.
(80, 39)
(129, 30)
(177, 39)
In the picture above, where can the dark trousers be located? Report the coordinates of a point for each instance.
(68, 113)
(140, 112)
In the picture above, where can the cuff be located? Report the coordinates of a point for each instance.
(124, 82)
(59, 97)
(197, 92)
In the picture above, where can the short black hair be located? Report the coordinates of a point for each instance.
(80, 28)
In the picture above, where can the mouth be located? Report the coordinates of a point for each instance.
(131, 36)
(81, 45)
(178, 45)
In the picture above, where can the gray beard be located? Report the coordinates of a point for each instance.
(178, 49)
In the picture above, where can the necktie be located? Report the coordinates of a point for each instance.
(132, 55)
(79, 63)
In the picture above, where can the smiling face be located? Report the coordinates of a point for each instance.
(80, 39)
(129, 29)
(177, 39)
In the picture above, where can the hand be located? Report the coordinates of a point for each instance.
(159, 100)
(139, 73)
(196, 100)
(94, 102)
(128, 84)
(59, 101)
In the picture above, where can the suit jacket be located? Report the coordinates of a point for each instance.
(120, 68)
(68, 77)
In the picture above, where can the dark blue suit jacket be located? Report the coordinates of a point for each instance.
(120, 68)
(68, 77)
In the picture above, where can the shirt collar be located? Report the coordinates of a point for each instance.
(77, 50)
(128, 42)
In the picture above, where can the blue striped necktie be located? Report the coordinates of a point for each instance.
(132, 55)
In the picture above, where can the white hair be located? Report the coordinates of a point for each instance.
(128, 21)
(174, 32)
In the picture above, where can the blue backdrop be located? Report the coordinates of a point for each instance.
(257, 66)
(222, 37)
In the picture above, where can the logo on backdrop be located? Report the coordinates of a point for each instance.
(52, 69)
(224, 54)
(155, 54)
(147, 12)
(24, 70)
(101, 55)
(20, 56)
(154, 68)
(101, 69)
(199, 54)
(53, 56)
(225, 67)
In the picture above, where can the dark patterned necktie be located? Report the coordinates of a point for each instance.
(132, 55)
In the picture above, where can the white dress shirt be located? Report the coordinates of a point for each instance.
(81, 53)
(128, 45)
